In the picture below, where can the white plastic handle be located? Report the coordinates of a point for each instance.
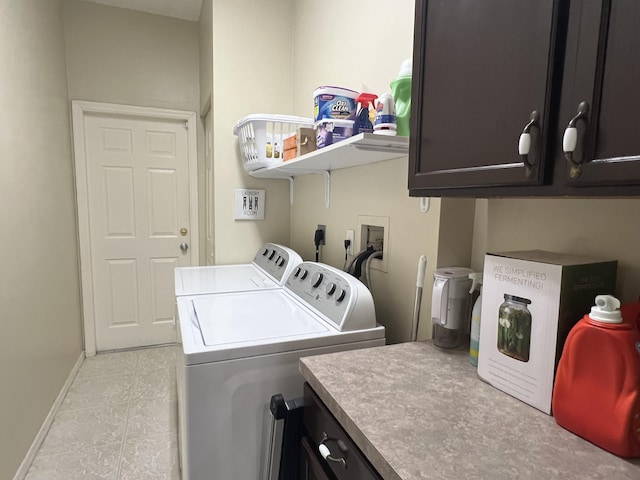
(422, 265)
(439, 301)
(524, 145)
(324, 450)
(570, 139)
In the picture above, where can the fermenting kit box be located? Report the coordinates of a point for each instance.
(530, 301)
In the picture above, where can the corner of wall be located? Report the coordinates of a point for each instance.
(456, 232)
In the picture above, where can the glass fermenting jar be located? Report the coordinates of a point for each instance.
(514, 327)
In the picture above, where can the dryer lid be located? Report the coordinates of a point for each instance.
(219, 279)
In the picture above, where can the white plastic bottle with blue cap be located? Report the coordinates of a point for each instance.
(385, 123)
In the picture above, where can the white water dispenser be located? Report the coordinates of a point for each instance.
(450, 306)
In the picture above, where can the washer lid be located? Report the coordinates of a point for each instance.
(220, 279)
(247, 318)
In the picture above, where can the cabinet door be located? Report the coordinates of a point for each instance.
(480, 69)
(602, 69)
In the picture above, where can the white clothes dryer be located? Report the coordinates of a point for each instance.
(240, 348)
(270, 268)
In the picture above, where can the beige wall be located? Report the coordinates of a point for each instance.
(115, 55)
(39, 290)
(252, 68)
(608, 228)
(123, 56)
(363, 44)
(205, 45)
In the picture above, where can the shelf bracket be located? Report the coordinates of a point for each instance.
(327, 188)
(425, 203)
(290, 190)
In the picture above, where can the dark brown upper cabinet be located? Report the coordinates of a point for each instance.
(602, 77)
(497, 83)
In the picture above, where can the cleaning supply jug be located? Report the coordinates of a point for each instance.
(474, 344)
(385, 123)
(362, 122)
(450, 306)
(401, 90)
(597, 387)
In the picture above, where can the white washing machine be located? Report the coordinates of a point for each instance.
(270, 268)
(240, 348)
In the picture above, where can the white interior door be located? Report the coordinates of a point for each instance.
(139, 206)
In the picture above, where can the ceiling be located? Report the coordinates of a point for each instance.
(185, 9)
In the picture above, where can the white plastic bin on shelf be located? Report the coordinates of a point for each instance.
(261, 137)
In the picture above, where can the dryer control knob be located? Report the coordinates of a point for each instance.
(316, 280)
(304, 274)
(296, 272)
(266, 252)
(340, 294)
(331, 288)
(273, 254)
(280, 261)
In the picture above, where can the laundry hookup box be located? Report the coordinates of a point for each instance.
(530, 301)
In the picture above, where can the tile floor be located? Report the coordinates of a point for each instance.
(117, 422)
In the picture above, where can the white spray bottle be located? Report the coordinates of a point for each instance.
(474, 346)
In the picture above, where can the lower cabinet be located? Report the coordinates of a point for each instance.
(312, 468)
(328, 453)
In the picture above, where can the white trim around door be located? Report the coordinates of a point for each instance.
(80, 109)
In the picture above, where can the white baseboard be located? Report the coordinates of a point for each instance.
(46, 425)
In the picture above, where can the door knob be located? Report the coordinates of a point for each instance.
(184, 247)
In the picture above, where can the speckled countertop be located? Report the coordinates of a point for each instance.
(418, 412)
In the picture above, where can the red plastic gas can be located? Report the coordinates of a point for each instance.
(597, 387)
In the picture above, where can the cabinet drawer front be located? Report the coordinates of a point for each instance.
(312, 468)
(349, 462)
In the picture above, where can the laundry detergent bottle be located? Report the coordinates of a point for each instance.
(597, 387)
(401, 90)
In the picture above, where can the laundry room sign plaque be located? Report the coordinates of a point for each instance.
(249, 204)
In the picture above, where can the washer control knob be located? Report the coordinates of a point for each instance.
(266, 252)
(280, 261)
(316, 280)
(273, 254)
(304, 274)
(340, 294)
(331, 288)
(296, 272)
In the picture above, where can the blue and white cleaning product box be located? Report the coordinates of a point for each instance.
(330, 131)
(335, 103)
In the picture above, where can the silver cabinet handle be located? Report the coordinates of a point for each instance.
(184, 247)
(570, 140)
(524, 143)
(326, 453)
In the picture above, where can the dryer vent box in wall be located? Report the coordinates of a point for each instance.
(374, 231)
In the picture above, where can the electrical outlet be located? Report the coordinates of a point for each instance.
(351, 236)
(324, 236)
